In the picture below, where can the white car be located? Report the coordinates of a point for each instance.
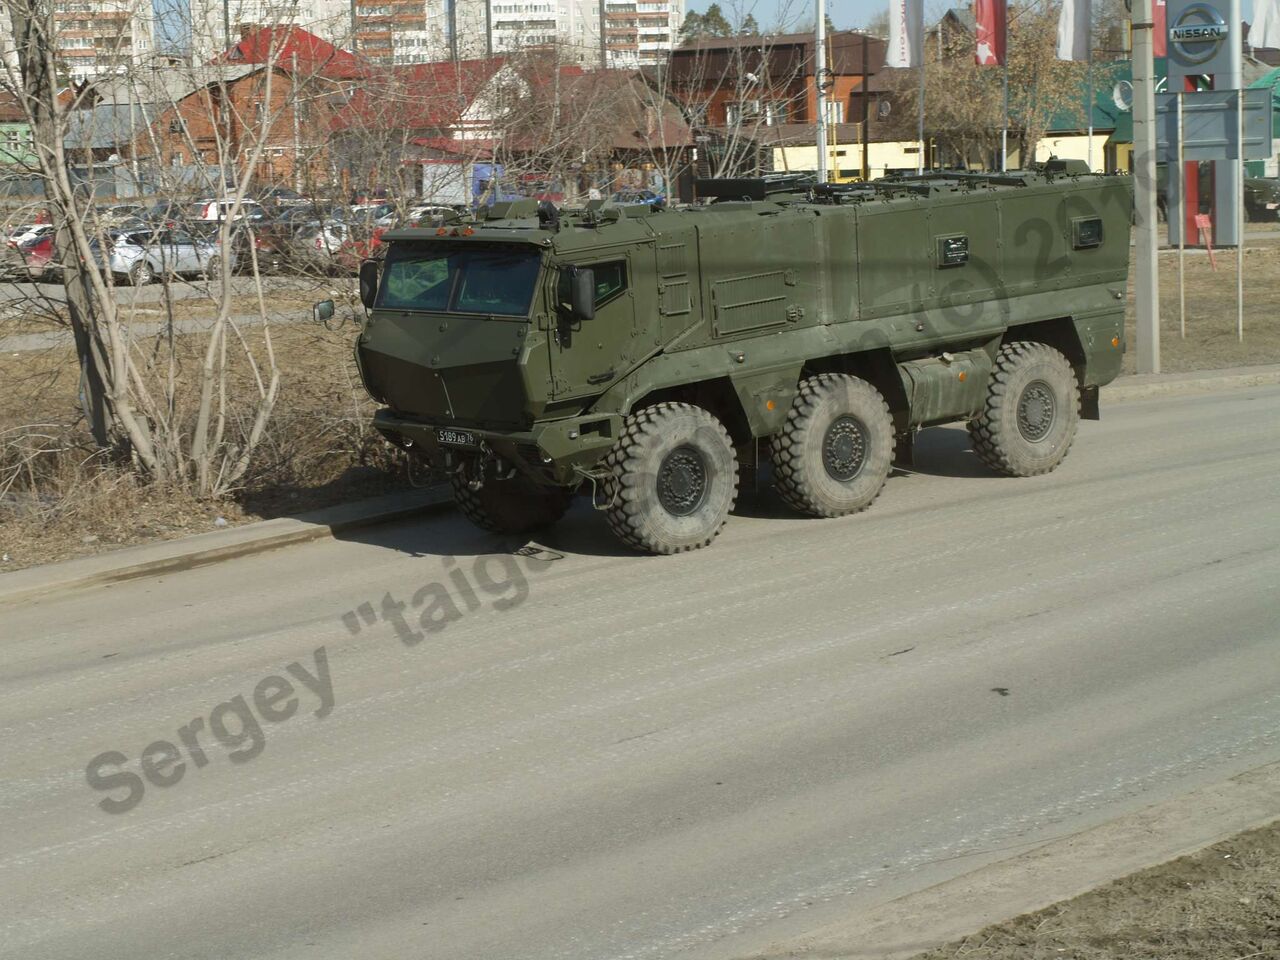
(143, 255)
(25, 234)
(218, 210)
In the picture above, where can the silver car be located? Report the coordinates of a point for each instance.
(141, 256)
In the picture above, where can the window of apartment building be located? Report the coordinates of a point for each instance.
(78, 43)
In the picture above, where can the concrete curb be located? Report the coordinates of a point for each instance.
(1144, 386)
(205, 548)
(1057, 871)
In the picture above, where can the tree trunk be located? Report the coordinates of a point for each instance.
(33, 40)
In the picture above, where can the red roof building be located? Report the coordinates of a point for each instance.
(295, 50)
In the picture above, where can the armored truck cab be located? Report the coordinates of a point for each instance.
(652, 354)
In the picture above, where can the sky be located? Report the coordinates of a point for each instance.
(844, 13)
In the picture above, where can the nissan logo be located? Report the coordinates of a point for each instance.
(1198, 34)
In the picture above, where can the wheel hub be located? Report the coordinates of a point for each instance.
(1037, 411)
(682, 481)
(844, 448)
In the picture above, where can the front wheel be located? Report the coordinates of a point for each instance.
(213, 269)
(1032, 411)
(672, 479)
(141, 274)
(514, 505)
(834, 453)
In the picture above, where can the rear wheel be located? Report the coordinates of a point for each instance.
(511, 506)
(673, 478)
(1032, 411)
(213, 268)
(835, 450)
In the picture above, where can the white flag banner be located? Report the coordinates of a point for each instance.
(906, 34)
(1265, 29)
(1073, 30)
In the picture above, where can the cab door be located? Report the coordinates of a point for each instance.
(588, 355)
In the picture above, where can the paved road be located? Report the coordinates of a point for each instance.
(607, 756)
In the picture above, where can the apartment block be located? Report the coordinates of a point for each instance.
(641, 31)
(215, 27)
(95, 37)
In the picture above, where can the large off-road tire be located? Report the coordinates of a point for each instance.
(1032, 411)
(673, 478)
(833, 454)
(511, 506)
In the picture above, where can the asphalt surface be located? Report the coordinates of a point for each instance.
(608, 756)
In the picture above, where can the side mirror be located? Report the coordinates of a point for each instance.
(582, 292)
(323, 311)
(368, 282)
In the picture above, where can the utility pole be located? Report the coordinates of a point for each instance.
(819, 78)
(866, 108)
(1147, 289)
(297, 129)
(453, 30)
(604, 41)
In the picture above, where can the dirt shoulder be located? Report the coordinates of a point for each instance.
(1221, 903)
(1211, 340)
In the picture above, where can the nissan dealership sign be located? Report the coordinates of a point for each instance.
(1198, 35)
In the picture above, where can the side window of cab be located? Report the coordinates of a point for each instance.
(611, 282)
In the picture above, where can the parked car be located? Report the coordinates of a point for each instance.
(31, 260)
(219, 210)
(165, 213)
(1262, 198)
(264, 240)
(278, 195)
(638, 196)
(142, 256)
(28, 232)
(337, 247)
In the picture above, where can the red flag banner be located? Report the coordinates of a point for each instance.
(1160, 27)
(992, 25)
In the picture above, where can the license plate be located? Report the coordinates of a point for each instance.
(457, 438)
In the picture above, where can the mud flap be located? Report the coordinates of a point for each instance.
(1089, 404)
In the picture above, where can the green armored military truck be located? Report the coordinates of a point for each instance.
(654, 357)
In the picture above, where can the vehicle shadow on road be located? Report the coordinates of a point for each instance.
(940, 451)
(448, 534)
(947, 452)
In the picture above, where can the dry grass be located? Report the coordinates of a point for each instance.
(59, 498)
(1211, 342)
(1222, 903)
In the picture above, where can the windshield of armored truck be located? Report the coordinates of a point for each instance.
(459, 278)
